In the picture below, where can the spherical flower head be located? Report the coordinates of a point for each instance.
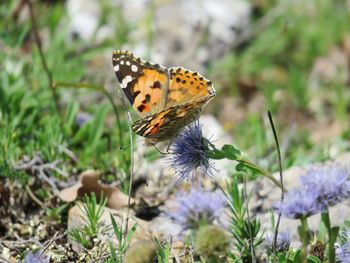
(36, 257)
(212, 242)
(298, 203)
(329, 183)
(282, 244)
(143, 251)
(190, 151)
(195, 208)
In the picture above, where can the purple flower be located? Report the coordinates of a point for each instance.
(329, 183)
(190, 151)
(282, 244)
(299, 203)
(37, 257)
(322, 187)
(195, 208)
(82, 118)
(343, 252)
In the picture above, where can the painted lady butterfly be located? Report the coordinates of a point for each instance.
(166, 99)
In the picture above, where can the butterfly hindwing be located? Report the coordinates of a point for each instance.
(143, 83)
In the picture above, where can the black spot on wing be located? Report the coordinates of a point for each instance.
(156, 85)
(141, 108)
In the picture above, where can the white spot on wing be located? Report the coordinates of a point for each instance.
(122, 62)
(125, 81)
(128, 63)
(134, 68)
(116, 68)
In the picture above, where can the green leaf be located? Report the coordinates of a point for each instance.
(241, 167)
(71, 113)
(313, 259)
(131, 232)
(334, 233)
(296, 257)
(231, 152)
(96, 127)
(118, 233)
(216, 154)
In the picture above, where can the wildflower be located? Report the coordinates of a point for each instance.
(299, 203)
(343, 252)
(36, 257)
(190, 151)
(329, 183)
(282, 244)
(196, 208)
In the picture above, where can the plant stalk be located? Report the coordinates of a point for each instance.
(330, 247)
(304, 236)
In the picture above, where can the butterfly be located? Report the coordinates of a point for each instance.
(166, 99)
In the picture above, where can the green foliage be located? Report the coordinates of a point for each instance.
(212, 243)
(245, 231)
(163, 252)
(92, 215)
(117, 254)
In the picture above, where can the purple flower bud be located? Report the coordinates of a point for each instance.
(282, 244)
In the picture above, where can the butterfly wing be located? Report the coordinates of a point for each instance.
(143, 83)
(185, 97)
(169, 122)
(186, 86)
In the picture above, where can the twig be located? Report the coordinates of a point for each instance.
(55, 236)
(34, 198)
(274, 244)
(68, 152)
(36, 165)
(42, 57)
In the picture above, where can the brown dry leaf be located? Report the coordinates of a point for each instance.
(89, 183)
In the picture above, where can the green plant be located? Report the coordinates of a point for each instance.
(92, 214)
(164, 251)
(245, 231)
(123, 239)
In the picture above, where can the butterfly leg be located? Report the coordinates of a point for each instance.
(160, 150)
(168, 148)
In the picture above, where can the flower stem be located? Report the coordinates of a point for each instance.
(304, 236)
(261, 170)
(330, 250)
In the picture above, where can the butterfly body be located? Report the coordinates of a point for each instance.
(166, 99)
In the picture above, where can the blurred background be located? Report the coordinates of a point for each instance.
(291, 57)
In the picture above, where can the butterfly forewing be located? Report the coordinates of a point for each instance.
(143, 83)
(186, 86)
